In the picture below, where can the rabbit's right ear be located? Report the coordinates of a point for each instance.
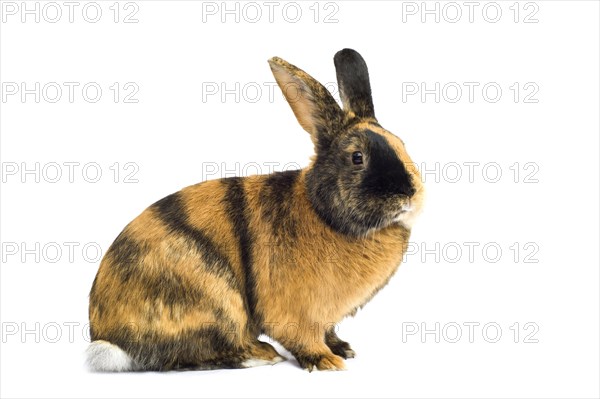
(316, 110)
(353, 82)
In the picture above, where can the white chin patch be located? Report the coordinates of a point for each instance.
(400, 218)
(406, 219)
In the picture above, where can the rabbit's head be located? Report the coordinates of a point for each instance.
(361, 178)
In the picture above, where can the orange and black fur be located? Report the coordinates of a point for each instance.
(195, 279)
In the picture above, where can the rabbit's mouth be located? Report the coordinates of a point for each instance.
(404, 210)
(409, 209)
(406, 206)
(402, 214)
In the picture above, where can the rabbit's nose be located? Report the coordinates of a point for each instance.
(407, 189)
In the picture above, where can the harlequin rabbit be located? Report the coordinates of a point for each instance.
(195, 279)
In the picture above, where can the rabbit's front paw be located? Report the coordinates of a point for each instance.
(327, 361)
(343, 349)
(337, 346)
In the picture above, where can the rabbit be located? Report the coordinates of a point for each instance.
(197, 277)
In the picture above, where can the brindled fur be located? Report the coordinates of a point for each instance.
(199, 275)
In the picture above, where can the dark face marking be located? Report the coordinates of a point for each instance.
(353, 198)
(275, 200)
(237, 209)
(173, 214)
(386, 174)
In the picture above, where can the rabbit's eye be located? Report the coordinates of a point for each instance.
(357, 158)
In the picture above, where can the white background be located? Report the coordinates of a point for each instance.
(173, 134)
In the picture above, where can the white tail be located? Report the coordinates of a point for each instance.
(104, 356)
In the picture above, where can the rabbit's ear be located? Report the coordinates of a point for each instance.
(316, 110)
(353, 82)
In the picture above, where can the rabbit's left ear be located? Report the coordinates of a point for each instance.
(353, 83)
(316, 110)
